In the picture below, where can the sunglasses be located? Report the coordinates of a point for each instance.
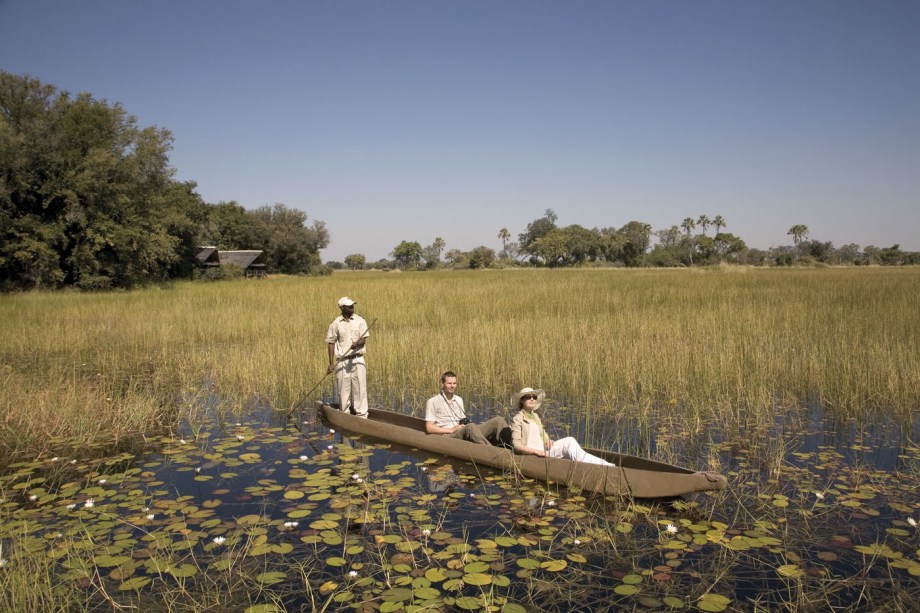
(529, 397)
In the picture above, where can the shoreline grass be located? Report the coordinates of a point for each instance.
(728, 344)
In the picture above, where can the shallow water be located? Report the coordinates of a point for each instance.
(820, 520)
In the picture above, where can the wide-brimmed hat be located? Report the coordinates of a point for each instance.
(516, 398)
(346, 301)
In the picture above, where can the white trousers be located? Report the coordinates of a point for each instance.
(351, 381)
(569, 448)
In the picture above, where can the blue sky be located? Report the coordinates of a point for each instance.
(408, 120)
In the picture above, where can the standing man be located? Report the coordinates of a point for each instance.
(444, 415)
(346, 340)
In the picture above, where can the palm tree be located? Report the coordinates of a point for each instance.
(798, 232)
(439, 244)
(719, 223)
(704, 222)
(504, 235)
(688, 225)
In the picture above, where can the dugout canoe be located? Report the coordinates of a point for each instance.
(632, 476)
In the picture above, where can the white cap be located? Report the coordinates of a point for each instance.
(346, 301)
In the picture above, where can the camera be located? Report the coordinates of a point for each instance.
(464, 421)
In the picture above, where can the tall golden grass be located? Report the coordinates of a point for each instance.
(721, 343)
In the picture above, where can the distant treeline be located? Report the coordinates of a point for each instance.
(544, 243)
(88, 200)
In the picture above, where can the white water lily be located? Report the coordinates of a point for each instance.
(304, 458)
(89, 503)
(819, 495)
(151, 516)
(671, 528)
(197, 470)
(240, 437)
(352, 573)
(426, 532)
(550, 503)
(290, 525)
(55, 459)
(330, 447)
(576, 542)
(331, 431)
(356, 476)
(71, 507)
(181, 441)
(219, 540)
(33, 497)
(912, 521)
(102, 481)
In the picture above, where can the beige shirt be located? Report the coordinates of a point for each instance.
(443, 412)
(527, 431)
(344, 332)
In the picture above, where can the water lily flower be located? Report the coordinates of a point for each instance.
(472, 495)
(145, 509)
(426, 532)
(239, 424)
(671, 528)
(151, 516)
(55, 459)
(551, 503)
(912, 521)
(197, 470)
(352, 573)
(330, 447)
(71, 507)
(819, 495)
(356, 476)
(240, 437)
(33, 497)
(331, 431)
(89, 503)
(181, 441)
(304, 458)
(219, 540)
(290, 525)
(102, 481)
(424, 469)
(73, 461)
(576, 542)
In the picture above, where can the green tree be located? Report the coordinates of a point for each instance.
(87, 197)
(355, 261)
(407, 255)
(798, 232)
(536, 229)
(688, 225)
(719, 223)
(704, 222)
(481, 257)
(638, 237)
(290, 245)
(504, 235)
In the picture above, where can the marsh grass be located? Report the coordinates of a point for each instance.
(730, 345)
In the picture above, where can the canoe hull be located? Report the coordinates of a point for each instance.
(632, 476)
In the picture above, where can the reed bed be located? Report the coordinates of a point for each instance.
(729, 344)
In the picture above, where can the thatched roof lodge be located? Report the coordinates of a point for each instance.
(252, 262)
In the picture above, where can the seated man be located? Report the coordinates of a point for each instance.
(444, 415)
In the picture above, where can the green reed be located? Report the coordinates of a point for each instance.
(730, 344)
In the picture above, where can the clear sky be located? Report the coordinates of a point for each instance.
(412, 119)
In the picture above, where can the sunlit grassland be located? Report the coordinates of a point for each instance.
(725, 344)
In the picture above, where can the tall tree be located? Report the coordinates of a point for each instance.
(87, 197)
(407, 255)
(538, 228)
(504, 235)
(719, 223)
(290, 245)
(688, 225)
(798, 232)
(704, 222)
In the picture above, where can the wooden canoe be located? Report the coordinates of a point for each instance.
(632, 476)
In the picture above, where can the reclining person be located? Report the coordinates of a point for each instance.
(444, 415)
